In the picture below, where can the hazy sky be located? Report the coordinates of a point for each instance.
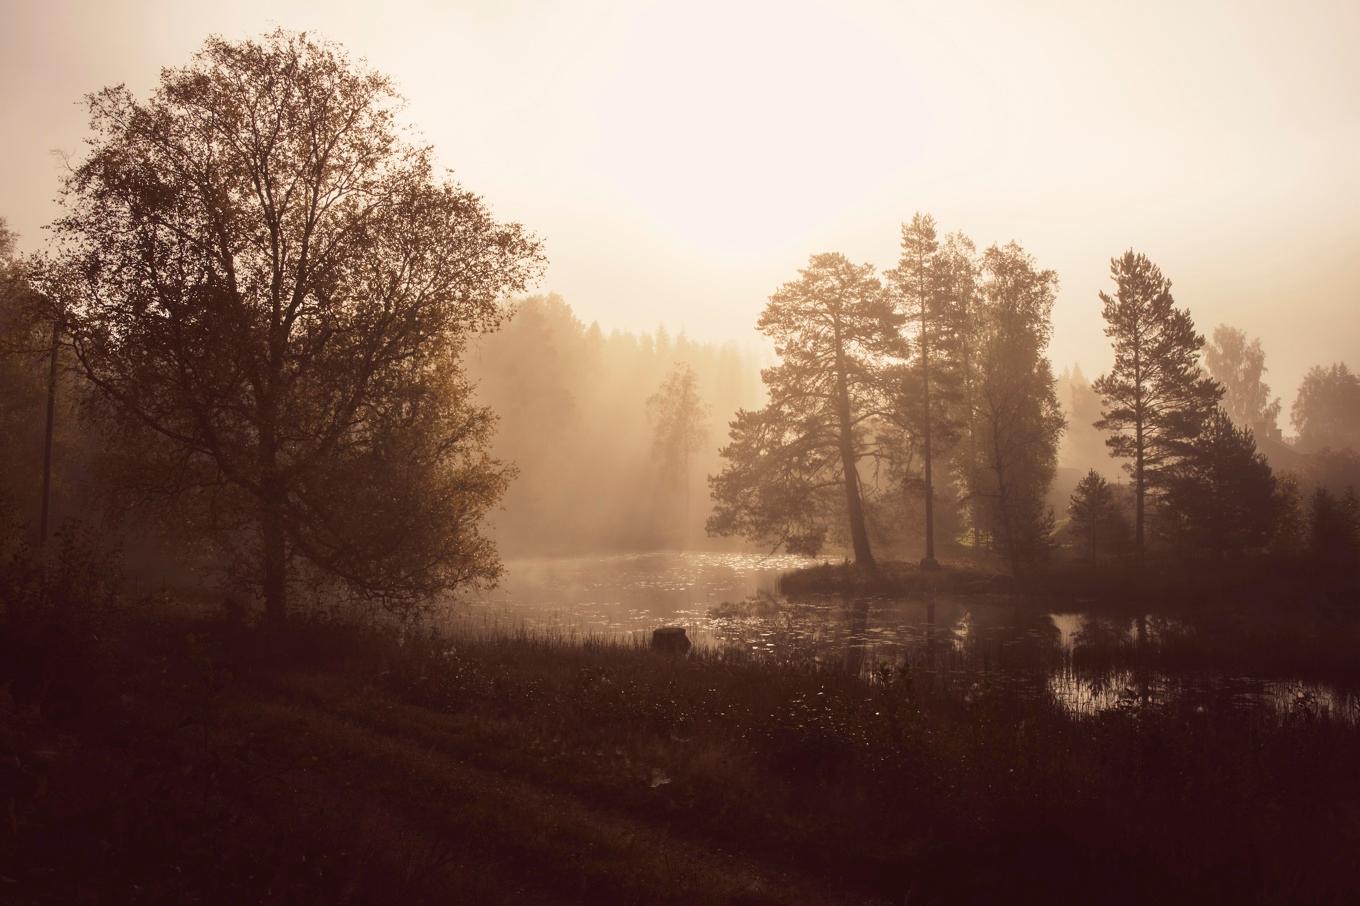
(682, 159)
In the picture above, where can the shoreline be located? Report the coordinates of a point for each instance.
(1159, 585)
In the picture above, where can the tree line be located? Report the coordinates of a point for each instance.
(923, 398)
(935, 373)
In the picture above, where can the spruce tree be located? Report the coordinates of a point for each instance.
(1094, 512)
(1222, 494)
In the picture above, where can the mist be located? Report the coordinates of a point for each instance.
(799, 452)
(575, 423)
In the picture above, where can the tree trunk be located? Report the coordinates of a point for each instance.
(1004, 502)
(1008, 526)
(1139, 490)
(859, 535)
(275, 550)
(273, 541)
(273, 538)
(684, 525)
(47, 435)
(1139, 482)
(929, 562)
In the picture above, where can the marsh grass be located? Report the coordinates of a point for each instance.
(1162, 580)
(344, 763)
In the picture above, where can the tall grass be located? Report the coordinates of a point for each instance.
(879, 784)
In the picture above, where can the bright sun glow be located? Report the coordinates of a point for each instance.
(684, 159)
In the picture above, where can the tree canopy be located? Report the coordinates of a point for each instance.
(1015, 414)
(1326, 412)
(1222, 495)
(1239, 366)
(788, 462)
(264, 274)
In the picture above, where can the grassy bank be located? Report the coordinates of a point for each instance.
(1158, 583)
(182, 759)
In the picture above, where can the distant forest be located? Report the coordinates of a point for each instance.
(574, 420)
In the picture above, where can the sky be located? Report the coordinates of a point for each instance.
(683, 159)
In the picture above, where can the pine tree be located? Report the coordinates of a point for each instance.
(1095, 513)
(1334, 530)
(1287, 535)
(830, 327)
(1083, 444)
(925, 287)
(1155, 397)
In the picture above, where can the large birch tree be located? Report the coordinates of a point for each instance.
(266, 277)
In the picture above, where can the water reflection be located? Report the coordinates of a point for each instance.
(857, 637)
(1088, 663)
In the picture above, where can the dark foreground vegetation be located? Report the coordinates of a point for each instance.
(154, 752)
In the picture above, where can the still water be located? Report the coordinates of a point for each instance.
(965, 646)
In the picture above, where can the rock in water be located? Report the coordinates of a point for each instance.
(670, 640)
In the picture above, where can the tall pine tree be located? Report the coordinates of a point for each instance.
(925, 288)
(1156, 399)
(786, 461)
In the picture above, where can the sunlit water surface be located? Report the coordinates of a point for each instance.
(971, 646)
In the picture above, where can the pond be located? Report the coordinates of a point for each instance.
(1088, 662)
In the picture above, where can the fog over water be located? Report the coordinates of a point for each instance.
(1088, 662)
